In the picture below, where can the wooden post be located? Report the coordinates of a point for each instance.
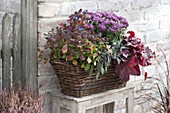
(16, 49)
(6, 52)
(29, 41)
(23, 40)
(33, 46)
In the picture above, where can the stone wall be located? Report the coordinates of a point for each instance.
(11, 7)
(150, 19)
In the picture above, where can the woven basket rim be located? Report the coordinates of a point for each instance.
(63, 63)
(70, 64)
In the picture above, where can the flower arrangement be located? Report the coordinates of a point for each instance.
(94, 40)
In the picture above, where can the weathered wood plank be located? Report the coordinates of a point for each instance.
(16, 49)
(29, 41)
(23, 40)
(6, 52)
(33, 46)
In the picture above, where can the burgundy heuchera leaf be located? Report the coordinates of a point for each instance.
(132, 34)
(145, 75)
(69, 58)
(125, 69)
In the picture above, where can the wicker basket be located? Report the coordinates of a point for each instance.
(76, 82)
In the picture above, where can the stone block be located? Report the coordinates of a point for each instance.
(48, 103)
(55, 1)
(138, 109)
(41, 40)
(146, 107)
(68, 8)
(13, 6)
(1, 16)
(109, 7)
(144, 26)
(164, 11)
(1, 36)
(152, 13)
(132, 15)
(55, 106)
(165, 1)
(154, 36)
(165, 34)
(3, 5)
(150, 70)
(113, 6)
(46, 24)
(164, 23)
(164, 45)
(142, 4)
(44, 69)
(48, 10)
(161, 68)
(48, 83)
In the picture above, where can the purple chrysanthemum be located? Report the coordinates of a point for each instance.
(112, 30)
(102, 27)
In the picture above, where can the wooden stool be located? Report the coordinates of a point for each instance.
(80, 105)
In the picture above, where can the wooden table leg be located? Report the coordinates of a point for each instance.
(81, 109)
(76, 108)
(108, 108)
(130, 102)
(73, 107)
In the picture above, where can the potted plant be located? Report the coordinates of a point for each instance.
(19, 100)
(92, 53)
(158, 93)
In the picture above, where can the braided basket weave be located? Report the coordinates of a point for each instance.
(74, 81)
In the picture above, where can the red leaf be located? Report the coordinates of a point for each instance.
(145, 75)
(142, 63)
(132, 34)
(65, 48)
(125, 69)
(69, 58)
